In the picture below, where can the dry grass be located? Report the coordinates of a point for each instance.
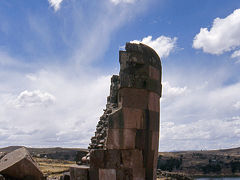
(52, 167)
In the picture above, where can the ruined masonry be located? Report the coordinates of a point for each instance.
(125, 145)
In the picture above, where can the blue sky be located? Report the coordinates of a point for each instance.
(57, 57)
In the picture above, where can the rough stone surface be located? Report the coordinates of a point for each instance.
(79, 172)
(107, 174)
(125, 144)
(20, 165)
(2, 154)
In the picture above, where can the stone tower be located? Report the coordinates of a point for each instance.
(125, 145)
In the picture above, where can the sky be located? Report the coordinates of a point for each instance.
(57, 58)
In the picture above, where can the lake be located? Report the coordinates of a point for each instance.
(218, 178)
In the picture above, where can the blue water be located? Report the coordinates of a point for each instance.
(222, 178)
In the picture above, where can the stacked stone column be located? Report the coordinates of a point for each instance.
(130, 148)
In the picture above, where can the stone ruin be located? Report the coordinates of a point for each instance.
(19, 164)
(125, 145)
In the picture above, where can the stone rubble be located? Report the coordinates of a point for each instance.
(98, 141)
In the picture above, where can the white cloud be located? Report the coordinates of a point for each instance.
(200, 134)
(235, 54)
(56, 4)
(80, 90)
(97, 32)
(123, 1)
(31, 77)
(197, 118)
(170, 91)
(223, 36)
(163, 45)
(34, 98)
(237, 105)
(64, 110)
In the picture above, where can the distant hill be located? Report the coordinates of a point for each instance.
(71, 154)
(224, 162)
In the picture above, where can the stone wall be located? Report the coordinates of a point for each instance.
(125, 145)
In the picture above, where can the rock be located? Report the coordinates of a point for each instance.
(80, 155)
(2, 154)
(79, 172)
(1, 177)
(20, 165)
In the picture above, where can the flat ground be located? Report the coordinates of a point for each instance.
(52, 167)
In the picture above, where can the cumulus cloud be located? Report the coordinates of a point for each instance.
(53, 116)
(34, 98)
(79, 90)
(122, 1)
(197, 118)
(163, 45)
(200, 134)
(171, 91)
(223, 36)
(235, 54)
(56, 4)
(237, 105)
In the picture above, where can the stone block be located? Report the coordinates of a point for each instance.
(105, 158)
(79, 172)
(140, 142)
(154, 73)
(93, 174)
(154, 140)
(112, 158)
(134, 98)
(116, 120)
(129, 118)
(150, 164)
(134, 118)
(123, 58)
(19, 164)
(132, 158)
(121, 139)
(153, 121)
(124, 174)
(154, 102)
(154, 86)
(107, 174)
(139, 174)
(97, 158)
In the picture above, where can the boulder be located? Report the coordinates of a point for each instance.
(19, 164)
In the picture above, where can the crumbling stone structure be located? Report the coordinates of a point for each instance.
(125, 145)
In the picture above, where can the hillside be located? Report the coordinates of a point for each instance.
(225, 162)
(70, 154)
